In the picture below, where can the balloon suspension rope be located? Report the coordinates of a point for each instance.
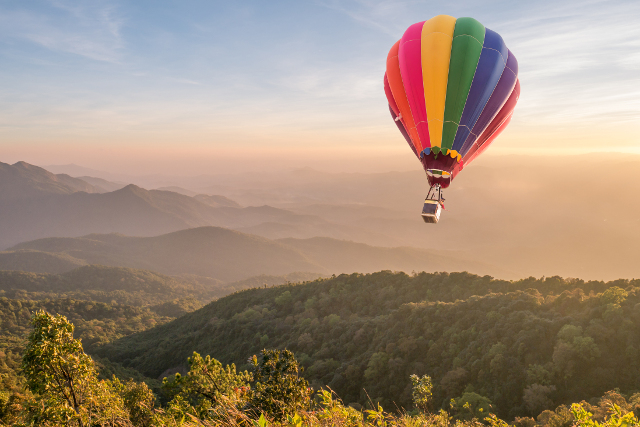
(435, 189)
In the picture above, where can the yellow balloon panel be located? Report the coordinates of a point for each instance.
(437, 36)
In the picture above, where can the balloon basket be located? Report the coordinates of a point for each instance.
(433, 205)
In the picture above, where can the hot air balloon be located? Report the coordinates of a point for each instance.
(452, 86)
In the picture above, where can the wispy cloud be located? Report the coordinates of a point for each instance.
(89, 29)
(377, 14)
(186, 81)
(578, 61)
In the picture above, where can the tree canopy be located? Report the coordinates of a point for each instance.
(526, 345)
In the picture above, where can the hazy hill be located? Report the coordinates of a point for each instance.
(38, 261)
(229, 255)
(102, 184)
(527, 345)
(342, 256)
(307, 226)
(206, 251)
(36, 203)
(179, 190)
(216, 201)
(77, 171)
(22, 180)
(129, 210)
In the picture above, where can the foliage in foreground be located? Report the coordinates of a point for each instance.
(64, 386)
(63, 389)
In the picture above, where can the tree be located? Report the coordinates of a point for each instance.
(377, 366)
(278, 390)
(617, 419)
(64, 379)
(138, 400)
(471, 405)
(208, 383)
(536, 397)
(421, 391)
(614, 295)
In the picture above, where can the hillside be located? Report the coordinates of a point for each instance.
(104, 303)
(527, 345)
(38, 261)
(229, 255)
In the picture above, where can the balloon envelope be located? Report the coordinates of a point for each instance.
(452, 85)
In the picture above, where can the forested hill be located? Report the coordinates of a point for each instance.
(130, 286)
(95, 322)
(109, 284)
(526, 345)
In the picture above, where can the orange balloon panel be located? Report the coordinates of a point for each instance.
(397, 89)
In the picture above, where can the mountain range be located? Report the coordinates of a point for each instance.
(529, 216)
(36, 204)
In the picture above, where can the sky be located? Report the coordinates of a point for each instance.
(196, 87)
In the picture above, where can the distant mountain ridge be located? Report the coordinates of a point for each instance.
(229, 255)
(102, 184)
(216, 201)
(22, 180)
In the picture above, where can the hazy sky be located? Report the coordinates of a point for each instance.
(193, 86)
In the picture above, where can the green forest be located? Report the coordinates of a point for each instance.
(104, 303)
(526, 346)
(431, 349)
